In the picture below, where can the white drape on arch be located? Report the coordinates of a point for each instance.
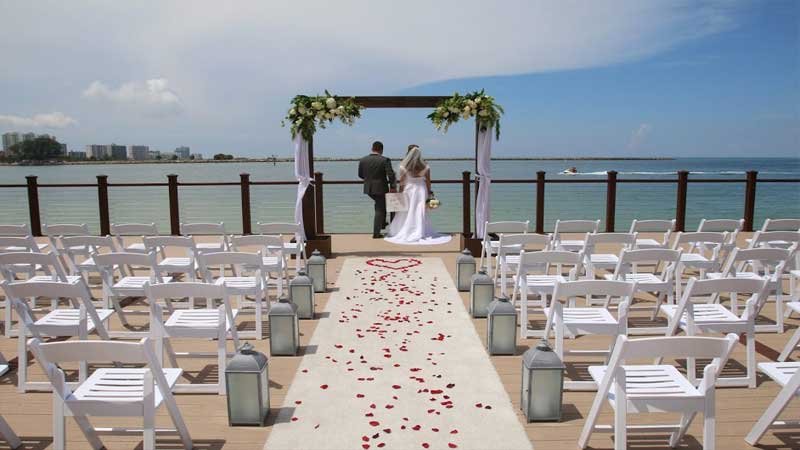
(303, 176)
(482, 207)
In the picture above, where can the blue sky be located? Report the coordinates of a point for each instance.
(606, 78)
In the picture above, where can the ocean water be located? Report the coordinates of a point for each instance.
(347, 210)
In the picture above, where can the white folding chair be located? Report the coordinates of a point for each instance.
(119, 282)
(248, 277)
(792, 306)
(206, 323)
(658, 281)
(763, 263)
(121, 230)
(703, 251)
(703, 318)
(77, 322)
(184, 246)
(81, 262)
(721, 225)
(577, 321)
(489, 247)
(271, 248)
(534, 276)
(288, 230)
(508, 249)
(787, 375)
(213, 229)
(6, 433)
(635, 388)
(573, 226)
(665, 227)
(20, 244)
(110, 392)
(54, 234)
(594, 260)
(13, 264)
(781, 225)
(22, 230)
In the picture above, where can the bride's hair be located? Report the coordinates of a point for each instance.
(413, 162)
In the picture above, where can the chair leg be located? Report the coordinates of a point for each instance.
(751, 359)
(8, 434)
(710, 421)
(149, 419)
(59, 423)
(676, 436)
(620, 413)
(22, 360)
(258, 299)
(779, 308)
(790, 346)
(774, 410)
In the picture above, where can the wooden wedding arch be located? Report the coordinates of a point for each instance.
(310, 199)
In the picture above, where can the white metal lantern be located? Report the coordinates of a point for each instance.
(465, 269)
(316, 270)
(284, 329)
(247, 386)
(301, 293)
(481, 293)
(501, 335)
(542, 384)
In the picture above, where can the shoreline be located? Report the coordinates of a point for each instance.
(327, 159)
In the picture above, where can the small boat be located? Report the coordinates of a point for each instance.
(570, 171)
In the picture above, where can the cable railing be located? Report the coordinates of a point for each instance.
(314, 207)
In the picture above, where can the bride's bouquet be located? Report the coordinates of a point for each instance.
(432, 202)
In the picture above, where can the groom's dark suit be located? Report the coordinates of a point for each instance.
(376, 171)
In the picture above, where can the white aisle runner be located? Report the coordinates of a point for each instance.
(397, 365)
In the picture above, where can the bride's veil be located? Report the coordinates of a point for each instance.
(413, 162)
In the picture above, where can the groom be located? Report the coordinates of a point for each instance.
(376, 171)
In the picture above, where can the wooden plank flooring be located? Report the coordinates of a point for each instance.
(206, 415)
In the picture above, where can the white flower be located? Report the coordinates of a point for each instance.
(292, 112)
(298, 121)
(478, 100)
(471, 104)
(301, 109)
(446, 113)
(328, 116)
(341, 108)
(467, 109)
(453, 109)
(483, 113)
(465, 115)
(316, 105)
(330, 102)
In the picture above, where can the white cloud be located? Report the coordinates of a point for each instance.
(153, 95)
(46, 120)
(639, 136)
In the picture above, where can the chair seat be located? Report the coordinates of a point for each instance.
(194, 319)
(651, 382)
(696, 260)
(604, 259)
(741, 275)
(705, 313)
(15, 248)
(176, 262)
(3, 369)
(272, 262)
(571, 244)
(117, 385)
(136, 282)
(643, 280)
(39, 278)
(795, 306)
(87, 264)
(534, 281)
(211, 246)
(237, 283)
(71, 318)
(781, 372)
(137, 247)
(586, 316)
(512, 259)
(795, 273)
(648, 243)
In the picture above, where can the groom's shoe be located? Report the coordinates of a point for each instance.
(377, 236)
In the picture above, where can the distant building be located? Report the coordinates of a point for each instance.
(196, 156)
(77, 155)
(10, 139)
(118, 152)
(154, 154)
(182, 152)
(64, 150)
(138, 152)
(96, 151)
(28, 137)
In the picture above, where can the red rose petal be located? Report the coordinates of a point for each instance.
(425, 445)
(365, 438)
(298, 402)
(359, 395)
(454, 432)
(365, 446)
(324, 386)
(395, 386)
(451, 445)
(374, 423)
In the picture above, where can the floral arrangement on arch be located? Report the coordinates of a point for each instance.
(308, 112)
(476, 104)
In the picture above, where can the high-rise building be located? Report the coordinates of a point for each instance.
(10, 139)
(182, 152)
(196, 156)
(138, 152)
(64, 150)
(154, 154)
(118, 152)
(28, 137)
(77, 155)
(96, 151)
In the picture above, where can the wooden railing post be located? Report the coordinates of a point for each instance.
(680, 206)
(540, 202)
(102, 203)
(465, 208)
(244, 182)
(33, 205)
(611, 200)
(174, 208)
(319, 208)
(750, 200)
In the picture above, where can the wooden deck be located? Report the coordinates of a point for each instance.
(206, 415)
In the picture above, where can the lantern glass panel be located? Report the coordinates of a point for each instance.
(317, 274)
(526, 391)
(264, 393)
(503, 329)
(465, 273)
(303, 297)
(543, 404)
(243, 406)
(482, 295)
(283, 335)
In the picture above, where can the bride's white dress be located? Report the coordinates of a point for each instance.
(414, 226)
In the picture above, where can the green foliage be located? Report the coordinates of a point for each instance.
(42, 148)
(222, 157)
(475, 104)
(307, 113)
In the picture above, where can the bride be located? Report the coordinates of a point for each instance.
(414, 226)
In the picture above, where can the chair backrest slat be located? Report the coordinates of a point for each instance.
(536, 259)
(292, 230)
(524, 240)
(781, 225)
(576, 226)
(652, 226)
(507, 227)
(185, 289)
(584, 288)
(134, 229)
(676, 347)
(719, 225)
(94, 350)
(15, 230)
